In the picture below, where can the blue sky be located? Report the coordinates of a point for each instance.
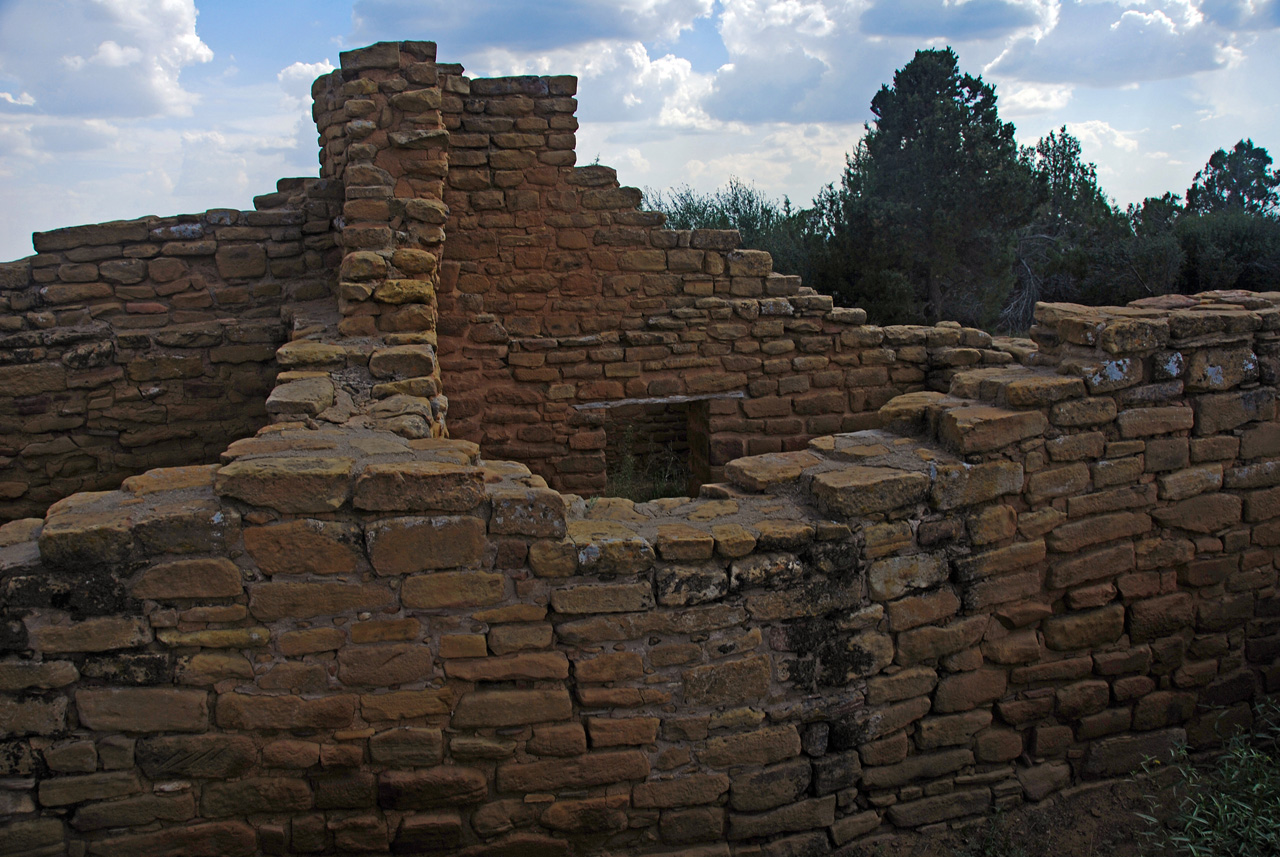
(121, 108)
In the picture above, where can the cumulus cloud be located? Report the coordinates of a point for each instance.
(1116, 43)
(1024, 99)
(525, 26)
(100, 58)
(975, 19)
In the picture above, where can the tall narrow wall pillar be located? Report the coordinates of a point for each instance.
(380, 127)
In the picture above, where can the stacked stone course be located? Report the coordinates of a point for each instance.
(1024, 566)
(148, 342)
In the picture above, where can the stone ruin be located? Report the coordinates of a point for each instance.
(299, 560)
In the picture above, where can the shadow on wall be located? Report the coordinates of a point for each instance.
(149, 343)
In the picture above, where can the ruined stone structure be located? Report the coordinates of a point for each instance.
(951, 574)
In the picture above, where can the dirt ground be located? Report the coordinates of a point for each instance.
(1095, 820)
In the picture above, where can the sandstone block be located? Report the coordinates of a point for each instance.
(431, 788)
(403, 361)
(503, 708)
(551, 558)
(593, 769)
(922, 766)
(1084, 630)
(981, 428)
(835, 772)
(592, 815)
(622, 731)
(251, 713)
(1206, 513)
(33, 836)
(1163, 708)
(1077, 535)
(452, 589)
(907, 613)
(1220, 412)
(1095, 565)
(384, 665)
(190, 578)
(681, 542)
(424, 832)
(805, 815)
(1083, 412)
(62, 791)
(1124, 754)
(213, 839)
(964, 691)
(681, 585)
(291, 485)
(760, 473)
(604, 598)
(409, 747)
(103, 634)
(524, 636)
(536, 512)
(134, 812)
(1000, 561)
(894, 577)
(761, 747)
(415, 486)
(24, 675)
(930, 642)
(519, 667)
(904, 684)
(1059, 482)
(566, 739)
(857, 490)
(951, 730)
(271, 601)
(410, 544)
(932, 810)
(241, 261)
(255, 794)
(143, 709)
(685, 790)
(728, 682)
(406, 704)
(1145, 422)
(209, 756)
(1160, 617)
(867, 725)
(610, 666)
(607, 547)
(1040, 781)
(958, 485)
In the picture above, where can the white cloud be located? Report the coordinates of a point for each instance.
(1107, 44)
(1024, 99)
(116, 58)
(527, 25)
(1095, 132)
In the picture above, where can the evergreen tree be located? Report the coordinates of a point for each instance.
(1072, 227)
(921, 228)
(1240, 181)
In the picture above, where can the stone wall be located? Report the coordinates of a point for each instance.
(149, 342)
(999, 570)
(342, 640)
(557, 293)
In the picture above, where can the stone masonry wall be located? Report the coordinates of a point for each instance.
(1028, 565)
(142, 343)
(558, 292)
(341, 640)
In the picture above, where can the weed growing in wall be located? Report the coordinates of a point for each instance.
(643, 477)
(1228, 807)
